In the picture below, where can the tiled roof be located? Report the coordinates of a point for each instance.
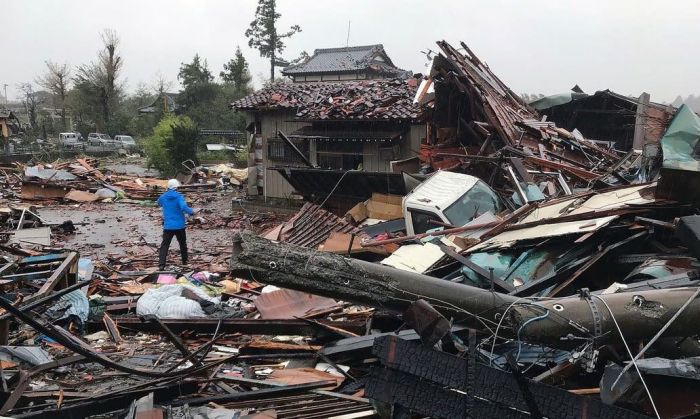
(310, 227)
(7, 114)
(340, 60)
(379, 99)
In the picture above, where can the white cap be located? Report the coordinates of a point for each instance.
(173, 184)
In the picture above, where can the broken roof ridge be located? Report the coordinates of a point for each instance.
(348, 48)
(382, 99)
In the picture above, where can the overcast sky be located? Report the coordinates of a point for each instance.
(534, 46)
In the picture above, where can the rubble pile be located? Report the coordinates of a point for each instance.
(555, 274)
(523, 270)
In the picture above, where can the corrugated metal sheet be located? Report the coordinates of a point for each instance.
(289, 304)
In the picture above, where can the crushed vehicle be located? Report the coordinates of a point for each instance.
(448, 198)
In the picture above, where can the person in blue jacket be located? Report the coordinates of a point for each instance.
(174, 211)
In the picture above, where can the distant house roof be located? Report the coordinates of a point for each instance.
(171, 99)
(633, 100)
(378, 99)
(369, 58)
(7, 114)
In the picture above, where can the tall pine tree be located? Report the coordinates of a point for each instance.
(263, 36)
(237, 74)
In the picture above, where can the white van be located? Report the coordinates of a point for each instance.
(448, 197)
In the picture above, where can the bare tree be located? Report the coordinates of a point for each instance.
(56, 80)
(161, 84)
(30, 101)
(102, 75)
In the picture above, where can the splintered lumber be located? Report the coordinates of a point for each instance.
(640, 315)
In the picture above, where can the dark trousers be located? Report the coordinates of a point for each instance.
(181, 236)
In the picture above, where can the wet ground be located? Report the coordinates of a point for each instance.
(132, 169)
(108, 231)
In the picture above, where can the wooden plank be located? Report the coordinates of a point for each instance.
(62, 273)
(91, 170)
(519, 167)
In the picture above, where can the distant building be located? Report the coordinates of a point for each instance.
(167, 102)
(349, 63)
(9, 124)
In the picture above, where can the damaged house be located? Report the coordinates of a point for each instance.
(362, 120)
(166, 101)
(628, 122)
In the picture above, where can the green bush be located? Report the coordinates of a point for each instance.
(173, 141)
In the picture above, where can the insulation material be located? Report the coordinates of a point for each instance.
(509, 238)
(167, 302)
(384, 207)
(379, 207)
(414, 257)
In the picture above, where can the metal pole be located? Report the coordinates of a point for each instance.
(656, 336)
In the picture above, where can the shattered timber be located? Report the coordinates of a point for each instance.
(452, 252)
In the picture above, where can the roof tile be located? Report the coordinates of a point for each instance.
(390, 99)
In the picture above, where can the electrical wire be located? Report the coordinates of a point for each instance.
(481, 320)
(612, 316)
(336, 186)
(658, 334)
(498, 326)
(534, 319)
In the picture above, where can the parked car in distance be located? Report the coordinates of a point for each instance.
(97, 142)
(126, 142)
(98, 136)
(71, 140)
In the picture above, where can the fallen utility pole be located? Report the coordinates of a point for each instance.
(368, 283)
(640, 314)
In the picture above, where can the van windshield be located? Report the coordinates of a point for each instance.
(476, 201)
(423, 221)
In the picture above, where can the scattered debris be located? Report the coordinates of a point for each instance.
(522, 270)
